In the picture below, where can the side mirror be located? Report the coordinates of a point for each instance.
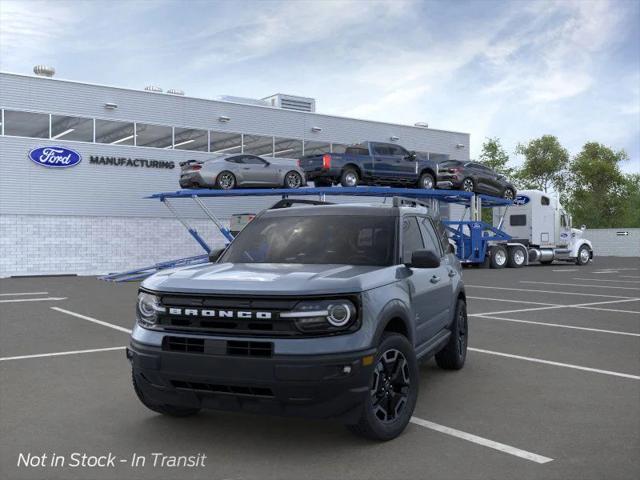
(424, 259)
(412, 156)
(214, 255)
(583, 227)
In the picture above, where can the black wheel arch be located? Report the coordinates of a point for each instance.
(430, 171)
(394, 318)
(353, 166)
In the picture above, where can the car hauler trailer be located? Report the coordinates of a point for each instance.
(475, 242)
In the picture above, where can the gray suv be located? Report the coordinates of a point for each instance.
(313, 310)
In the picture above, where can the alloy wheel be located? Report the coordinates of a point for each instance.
(501, 257)
(226, 181)
(351, 179)
(467, 185)
(584, 255)
(508, 194)
(391, 384)
(293, 180)
(427, 182)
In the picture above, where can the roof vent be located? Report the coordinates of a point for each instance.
(153, 88)
(421, 124)
(244, 100)
(175, 91)
(292, 102)
(44, 71)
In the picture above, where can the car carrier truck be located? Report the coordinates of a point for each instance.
(540, 231)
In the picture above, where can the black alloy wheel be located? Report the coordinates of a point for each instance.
(508, 194)
(391, 383)
(468, 185)
(226, 180)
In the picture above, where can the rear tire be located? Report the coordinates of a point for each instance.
(225, 180)
(292, 180)
(498, 256)
(517, 257)
(349, 178)
(164, 409)
(454, 354)
(508, 194)
(393, 391)
(468, 185)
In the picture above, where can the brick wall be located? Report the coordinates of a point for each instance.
(46, 245)
(610, 242)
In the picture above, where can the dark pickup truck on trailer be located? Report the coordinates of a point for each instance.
(372, 163)
(315, 310)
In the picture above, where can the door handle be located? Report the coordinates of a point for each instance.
(435, 279)
(452, 273)
(246, 168)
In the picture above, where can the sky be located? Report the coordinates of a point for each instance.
(514, 70)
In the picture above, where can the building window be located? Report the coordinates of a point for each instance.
(191, 139)
(287, 148)
(258, 145)
(157, 136)
(71, 128)
(26, 124)
(316, 148)
(338, 148)
(225, 143)
(115, 133)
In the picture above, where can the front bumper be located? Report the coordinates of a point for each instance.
(315, 386)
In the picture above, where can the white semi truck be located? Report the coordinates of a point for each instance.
(540, 231)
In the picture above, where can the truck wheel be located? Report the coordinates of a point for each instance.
(584, 255)
(426, 181)
(349, 178)
(454, 354)
(171, 410)
(498, 256)
(517, 257)
(226, 180)
(393, 390)
(468, 185)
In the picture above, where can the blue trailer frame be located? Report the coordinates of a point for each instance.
(471, 247)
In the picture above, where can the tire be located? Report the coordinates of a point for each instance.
(454, 354)
(164, 409)
(322, 182)
(225, 180)
(517, 257)
(508, 194)
(292, 180)
(498, 256)
(468, 185)
(349, 178)
(427, 181)
(584, 255)
(395, 355)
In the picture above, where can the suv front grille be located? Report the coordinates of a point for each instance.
(251, 391)
(217, 347)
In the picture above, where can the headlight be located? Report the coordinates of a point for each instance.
(323, 316)
(148, 308)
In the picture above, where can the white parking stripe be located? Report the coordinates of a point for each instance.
(566, 270)
(587, 306)
(606, 280)
(556, 364)
(22, 293)
(580, 285)
(559, 325)
(513, 301)
(635, 312)
(519, 310)
(629, 276)
(44, 299)
(485, 442)
(58, 354)
(94, 320)
(529, 290)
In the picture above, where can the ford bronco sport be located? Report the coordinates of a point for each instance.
(313, 310)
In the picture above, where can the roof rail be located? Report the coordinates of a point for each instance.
(409, 202)
(290, 202)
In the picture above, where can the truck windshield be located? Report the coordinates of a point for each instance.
(316, 239)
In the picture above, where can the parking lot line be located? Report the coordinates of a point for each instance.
(587, 306)
(556, 364)
(93, 320)
(44, 299)
(606, 280)
(580, 285)
(513, 301)
(559, 325)
(481, 441)
(566, 270)
(58, 354)
(22, 293)
(629, 276)
(518, 310)
(529, 290)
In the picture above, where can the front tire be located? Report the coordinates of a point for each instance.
(226, 180)
(393, 391)
(468, 185)
(426, 181)
(584, 255)
(508, 194)
(349, 178)
(164, 409)
(454, 354)
(292, 180)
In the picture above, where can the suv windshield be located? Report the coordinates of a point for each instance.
(317, 239)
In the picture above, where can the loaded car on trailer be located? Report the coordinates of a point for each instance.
(372, 163)
(475, 177)
(312, 310)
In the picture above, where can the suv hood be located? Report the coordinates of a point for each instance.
(271, 279)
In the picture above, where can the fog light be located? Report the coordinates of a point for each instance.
(368, 360)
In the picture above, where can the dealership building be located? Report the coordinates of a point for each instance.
(93, 217)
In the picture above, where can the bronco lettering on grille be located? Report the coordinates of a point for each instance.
(194, 312)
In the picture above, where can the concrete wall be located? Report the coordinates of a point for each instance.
(612, 242)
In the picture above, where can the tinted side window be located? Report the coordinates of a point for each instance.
(357, 151)
(398, 151)
(443, 236)
(544, 201)
(518, 220)
(251, 160)
(238, 159)
(431, 241)
(411, 238)
(381, 150)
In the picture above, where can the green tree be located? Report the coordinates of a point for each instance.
(545, 162)
(599, 193)
(630, 215)
(494, 156)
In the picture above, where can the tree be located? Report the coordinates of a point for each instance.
(545, 161)
(495, 157)
(599, 193)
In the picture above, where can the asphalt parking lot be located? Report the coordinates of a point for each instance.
(551, 389)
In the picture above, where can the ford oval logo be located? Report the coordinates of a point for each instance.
(55, 157)
(521, 200)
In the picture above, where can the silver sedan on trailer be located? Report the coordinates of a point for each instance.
(241, 170)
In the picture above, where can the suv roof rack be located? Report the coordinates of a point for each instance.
(410, 202)
(290, 202)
